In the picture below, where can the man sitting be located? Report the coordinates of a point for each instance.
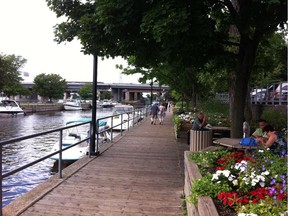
(200, 122)
(259, 131)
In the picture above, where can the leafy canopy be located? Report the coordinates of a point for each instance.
(10, 74)
(50, 85)
(85, 91)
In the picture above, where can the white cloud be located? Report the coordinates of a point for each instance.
(27, 30)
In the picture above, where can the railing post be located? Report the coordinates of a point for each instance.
(1, 152)
(111, 132)
(97, 136)
(121, 126)
(280, 95)
(60, 155)
(128, 121)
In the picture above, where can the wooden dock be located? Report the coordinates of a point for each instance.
(141, 174)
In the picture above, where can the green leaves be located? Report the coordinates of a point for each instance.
(206, 187)
(86, 91)
(10, 66)
(50, 85)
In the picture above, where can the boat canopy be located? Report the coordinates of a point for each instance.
(83, 120)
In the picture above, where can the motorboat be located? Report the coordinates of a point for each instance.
(78, 134)
(125, 113)
(8, 106)
(73, 103)
(106, 104)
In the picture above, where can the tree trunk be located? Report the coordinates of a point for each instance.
(248, 109)
(239, 83)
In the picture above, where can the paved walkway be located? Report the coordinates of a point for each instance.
(141, 174)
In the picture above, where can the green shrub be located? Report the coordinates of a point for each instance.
(275, 117)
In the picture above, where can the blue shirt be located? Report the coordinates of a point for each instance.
(154, 109)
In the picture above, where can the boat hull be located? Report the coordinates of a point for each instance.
(72, 107)
(10, 107)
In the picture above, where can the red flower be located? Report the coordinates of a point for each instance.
(220, 168)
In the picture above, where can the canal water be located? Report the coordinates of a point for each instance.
(20, 153)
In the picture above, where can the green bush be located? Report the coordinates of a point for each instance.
(275, 117)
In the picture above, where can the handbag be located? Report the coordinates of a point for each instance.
(249, 141)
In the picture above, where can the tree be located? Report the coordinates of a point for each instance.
(85, 91)
(16, 89)
(271, 61)
(242, 25)
(10, 66)
(106, 95)
(50, 85)
(177, 38)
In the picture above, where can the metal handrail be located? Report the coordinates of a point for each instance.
(142, 112)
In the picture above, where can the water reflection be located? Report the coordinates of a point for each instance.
(21, 153)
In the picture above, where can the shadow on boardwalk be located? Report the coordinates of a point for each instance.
(141, 174)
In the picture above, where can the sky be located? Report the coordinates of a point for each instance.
(27, 30)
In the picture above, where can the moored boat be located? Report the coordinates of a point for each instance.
(10, 107)
(75, 135)
(73, 103)
(129, 117)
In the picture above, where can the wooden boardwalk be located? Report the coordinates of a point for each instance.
(141, 174)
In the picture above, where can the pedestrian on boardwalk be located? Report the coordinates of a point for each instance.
(154, 113)
(169, 106)
(162, 113)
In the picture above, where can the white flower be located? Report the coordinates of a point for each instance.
(231, 177)
(262, 184)
(260, 150)
(235, 182)
(244, 214)
(260, 177)
(265, 173)
(226, 173)
(254, 182)
(268, 149)
(241, 166)
(215, 177)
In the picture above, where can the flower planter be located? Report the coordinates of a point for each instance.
(186, 126)
(205, 205)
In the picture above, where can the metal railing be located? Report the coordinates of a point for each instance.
(133, 118)
(274, 94)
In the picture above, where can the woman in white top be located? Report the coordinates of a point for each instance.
(162, 113)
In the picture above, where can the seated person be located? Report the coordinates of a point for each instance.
(275, 141)
(259, 131)
(200, 122)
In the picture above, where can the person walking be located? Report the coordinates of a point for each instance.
(162, 113)
(154, 113)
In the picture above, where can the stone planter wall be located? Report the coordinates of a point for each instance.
(205, 205)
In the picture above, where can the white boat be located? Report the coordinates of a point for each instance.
(73, 103)
(127, 119)
(78, 134)
(10, 107)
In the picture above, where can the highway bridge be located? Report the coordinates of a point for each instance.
(120, 91)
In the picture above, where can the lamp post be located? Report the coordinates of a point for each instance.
(151, 99)
(92, 149)
(151, 84)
